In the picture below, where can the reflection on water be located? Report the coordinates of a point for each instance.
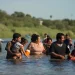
(35, 65)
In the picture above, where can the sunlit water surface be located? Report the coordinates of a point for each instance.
(35, 65)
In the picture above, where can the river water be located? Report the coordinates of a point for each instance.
(35, 65)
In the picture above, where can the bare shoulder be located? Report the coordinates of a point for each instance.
(9, 43)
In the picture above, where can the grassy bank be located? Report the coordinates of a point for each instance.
(7, 32)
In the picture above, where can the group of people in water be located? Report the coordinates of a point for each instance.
(57, 49)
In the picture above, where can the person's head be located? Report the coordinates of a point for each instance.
(60, 37)
(45, 35)
(17, 37)
(49, 41)
(48, 36)
(23, 41)
(35, 38)
(67, 36)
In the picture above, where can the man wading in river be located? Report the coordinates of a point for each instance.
(58, 48)
(10, 45)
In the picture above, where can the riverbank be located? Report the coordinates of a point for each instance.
(6, 32)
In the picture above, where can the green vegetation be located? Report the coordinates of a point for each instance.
(26, 24)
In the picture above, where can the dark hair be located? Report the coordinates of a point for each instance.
(45, 34)
(23, 40)
(48, 36)
(67, 35)
(16, 35)
(58, 36)
(34, 37)
(49, 39)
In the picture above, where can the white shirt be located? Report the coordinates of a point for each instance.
(17, 46)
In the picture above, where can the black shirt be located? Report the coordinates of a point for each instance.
(62, 50)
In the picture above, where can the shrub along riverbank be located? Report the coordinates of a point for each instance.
(27, 24)
(7, 32)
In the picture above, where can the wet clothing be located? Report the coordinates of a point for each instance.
(73, 53)
(62, 50)
(67, 42)
(36, 48)
(8, 47)
(47, 47)
(11, 46)
(16, 47)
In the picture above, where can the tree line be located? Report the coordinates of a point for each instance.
(20, 19)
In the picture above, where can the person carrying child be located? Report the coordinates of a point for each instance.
(14, 48)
